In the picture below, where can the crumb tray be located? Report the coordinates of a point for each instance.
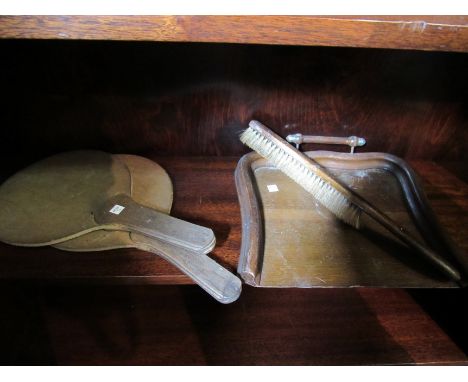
(289, 240)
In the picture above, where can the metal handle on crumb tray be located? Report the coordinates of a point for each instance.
(351, 141)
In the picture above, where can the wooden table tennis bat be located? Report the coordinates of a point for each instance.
(73, 193)
(152, 187)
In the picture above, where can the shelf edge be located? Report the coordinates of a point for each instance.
(443, 33)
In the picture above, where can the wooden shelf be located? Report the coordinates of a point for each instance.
(204, 194)
(173, 325)
(121, 97)
(443, 33)
(183, 105)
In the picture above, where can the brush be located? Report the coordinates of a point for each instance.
(343, 202)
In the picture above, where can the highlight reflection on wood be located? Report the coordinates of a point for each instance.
(181, 325)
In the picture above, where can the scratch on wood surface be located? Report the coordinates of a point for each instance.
(414, 26)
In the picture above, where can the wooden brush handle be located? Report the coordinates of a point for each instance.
(207, 273)
(354, 198)
(388, 223)
(123, 213)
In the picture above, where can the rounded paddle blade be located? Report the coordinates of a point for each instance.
(53, 199)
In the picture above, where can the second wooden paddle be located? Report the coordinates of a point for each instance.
(73, 193)
(152, 187)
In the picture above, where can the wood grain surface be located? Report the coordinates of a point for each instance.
(195, 99)
(180, 325)
(445, 33)
(448, 194)
(184, 104)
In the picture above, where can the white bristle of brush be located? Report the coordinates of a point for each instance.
(326, 194)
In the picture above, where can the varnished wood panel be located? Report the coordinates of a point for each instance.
(448, 309)
(448, 195)
(447, 33)
(204, 193)
(182, 326)
(195, 99)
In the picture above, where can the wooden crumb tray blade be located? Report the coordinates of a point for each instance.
(289, 240)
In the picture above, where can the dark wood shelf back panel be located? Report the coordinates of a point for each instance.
(194, 99)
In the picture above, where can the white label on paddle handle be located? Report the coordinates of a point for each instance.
(117, 209)
(272, 188)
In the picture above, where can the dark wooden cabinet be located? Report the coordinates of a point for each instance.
(179, 90)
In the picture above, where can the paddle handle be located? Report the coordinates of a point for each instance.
(224, 286)
(123, 213)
